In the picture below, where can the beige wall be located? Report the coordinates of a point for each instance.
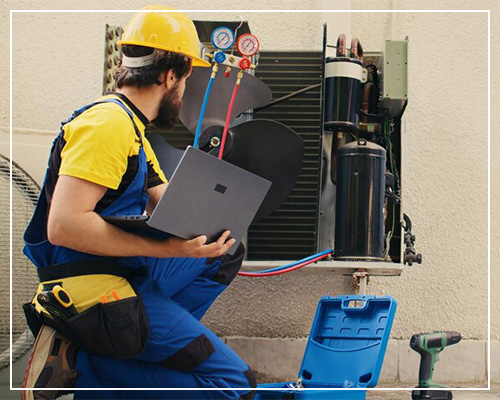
(446, 159)
(58, 57)
(57, 66)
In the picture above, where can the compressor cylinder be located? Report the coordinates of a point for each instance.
(343, 79)
(359, 214)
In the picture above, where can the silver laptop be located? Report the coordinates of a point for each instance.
(205, 196)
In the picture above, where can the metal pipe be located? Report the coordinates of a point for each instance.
(341, 46)
(368, 91)
(356, 49)
(287, 97)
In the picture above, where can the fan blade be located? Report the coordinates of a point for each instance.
(252, 93)
(271, 150)
(167, 155)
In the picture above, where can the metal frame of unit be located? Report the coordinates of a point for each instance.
(393, 96)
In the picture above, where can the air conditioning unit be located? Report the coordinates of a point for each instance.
(304, 224)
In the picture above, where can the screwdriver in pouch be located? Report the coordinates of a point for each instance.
(57, 301)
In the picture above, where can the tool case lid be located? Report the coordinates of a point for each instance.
(347, 343)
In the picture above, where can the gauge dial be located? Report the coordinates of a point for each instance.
(222, 38)
(248, 44)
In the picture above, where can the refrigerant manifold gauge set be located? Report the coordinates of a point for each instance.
(247, 45)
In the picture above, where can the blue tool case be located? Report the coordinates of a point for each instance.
(345, 349)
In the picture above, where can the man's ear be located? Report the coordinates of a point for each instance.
(169, 79)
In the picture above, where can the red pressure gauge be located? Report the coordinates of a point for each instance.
(247, 44)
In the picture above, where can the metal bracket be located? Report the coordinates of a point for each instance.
(360, 280)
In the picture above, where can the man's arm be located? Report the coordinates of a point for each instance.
(74, 224)
(155, 194)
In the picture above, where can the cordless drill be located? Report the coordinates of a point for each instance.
(429, 345)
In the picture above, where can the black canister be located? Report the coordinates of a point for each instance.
(359, 214)
(343, 78)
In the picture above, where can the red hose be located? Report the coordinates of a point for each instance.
(228, 118)
(257, 274)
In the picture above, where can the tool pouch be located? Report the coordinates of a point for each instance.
(117, 329)
(32, 318)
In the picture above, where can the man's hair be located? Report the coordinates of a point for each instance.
(144, 77)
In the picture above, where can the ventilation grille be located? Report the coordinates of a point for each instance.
(290, 232)
(112, 56)
(24, 278)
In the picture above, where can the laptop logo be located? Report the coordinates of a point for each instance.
(220, 188)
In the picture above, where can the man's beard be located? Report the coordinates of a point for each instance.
(168, 112)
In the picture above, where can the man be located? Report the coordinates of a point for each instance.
(124, 285)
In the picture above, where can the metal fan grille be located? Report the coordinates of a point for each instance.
(291, 231)
(24, 278)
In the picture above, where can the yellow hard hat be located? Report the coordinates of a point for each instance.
(166, 30)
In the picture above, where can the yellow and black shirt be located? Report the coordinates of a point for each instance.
(101, 146)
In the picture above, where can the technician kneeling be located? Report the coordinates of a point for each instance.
(133, 297)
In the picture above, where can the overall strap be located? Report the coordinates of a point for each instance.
(108, 266)
(116, 101)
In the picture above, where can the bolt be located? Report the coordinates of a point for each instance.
(215, 141)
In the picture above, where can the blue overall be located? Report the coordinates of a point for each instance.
(180, 351)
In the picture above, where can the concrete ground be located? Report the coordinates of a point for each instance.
(371, 395)
(494, 393)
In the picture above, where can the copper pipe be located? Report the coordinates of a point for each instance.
(356, 49)
(341, 46)
(368, 90)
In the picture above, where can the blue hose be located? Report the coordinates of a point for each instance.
(295, 262)
(202, 112)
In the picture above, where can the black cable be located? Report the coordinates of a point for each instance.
(407, 223)
(374, 74)
(371, 115)
(287, 97)
(393, 196)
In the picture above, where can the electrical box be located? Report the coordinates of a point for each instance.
(395, 76)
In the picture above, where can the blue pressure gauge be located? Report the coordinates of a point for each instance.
(222, 38)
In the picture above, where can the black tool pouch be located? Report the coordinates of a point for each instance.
(32, 318)
(117, 329)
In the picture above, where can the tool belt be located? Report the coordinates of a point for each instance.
(117, 328)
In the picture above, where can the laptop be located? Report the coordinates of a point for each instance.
(205, 196)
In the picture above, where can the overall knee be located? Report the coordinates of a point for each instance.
(187, 358)
(229, 267)
(252, 382)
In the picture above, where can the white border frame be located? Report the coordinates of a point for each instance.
(272, 11)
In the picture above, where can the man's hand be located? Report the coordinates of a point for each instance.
(74, 224)
(176, 247)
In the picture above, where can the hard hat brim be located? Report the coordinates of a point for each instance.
(197, 61)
